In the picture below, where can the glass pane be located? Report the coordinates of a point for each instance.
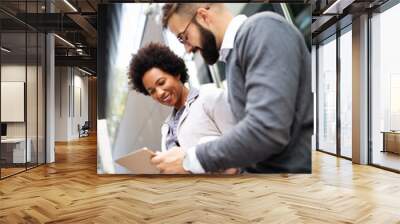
(41, 98)
(32, 86)
(13, 87)
(31, 97)
(327, 97)
(314, 82)
(386, 89)
(77, 113)
(345, 94)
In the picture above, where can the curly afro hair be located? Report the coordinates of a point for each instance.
(159, 56)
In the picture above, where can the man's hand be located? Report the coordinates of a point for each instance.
(170, 162)
(231, 171)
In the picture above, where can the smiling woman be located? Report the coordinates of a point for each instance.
(165, 88)
(198, 115)
(158, 72)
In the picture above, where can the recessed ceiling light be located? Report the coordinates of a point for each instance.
(337, 7)
(70, 5)
(5, 50)
(84, 71)
(65, 41)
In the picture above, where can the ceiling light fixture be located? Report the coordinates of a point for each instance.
(86, 72)
(337, 7)
(64, 40)
(70, 5)
(5, 50)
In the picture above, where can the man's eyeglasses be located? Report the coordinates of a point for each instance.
(181, 36)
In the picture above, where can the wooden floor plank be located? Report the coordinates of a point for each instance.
(70, 191)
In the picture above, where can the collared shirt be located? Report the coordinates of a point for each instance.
(191, 162)
(172, 136)
(229, 36)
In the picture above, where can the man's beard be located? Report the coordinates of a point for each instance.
(209, 49)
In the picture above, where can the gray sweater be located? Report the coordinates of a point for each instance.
(269, 91)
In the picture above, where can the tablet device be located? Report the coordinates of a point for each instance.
(138, 162)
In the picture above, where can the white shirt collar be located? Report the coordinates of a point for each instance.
(229, 36)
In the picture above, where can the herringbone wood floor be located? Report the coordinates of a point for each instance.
(70, 191)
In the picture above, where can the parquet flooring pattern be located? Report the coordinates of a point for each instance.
(70, 191)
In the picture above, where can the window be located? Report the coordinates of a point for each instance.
(346, 93)
(385, 88)
(22, 64)
(327, 96)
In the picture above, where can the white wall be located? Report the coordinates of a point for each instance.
(16, 73)
(80, 104)
(61, 103)
(12, 101)
(13, 72)
(33, 126)
(71, 94)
